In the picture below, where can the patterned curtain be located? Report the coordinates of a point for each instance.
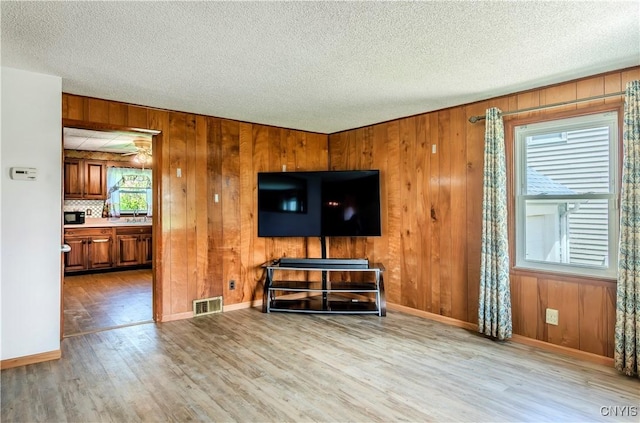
(494, 309)
(627, 334)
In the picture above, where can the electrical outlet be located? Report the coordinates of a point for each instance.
(232, 284)
(552, 316)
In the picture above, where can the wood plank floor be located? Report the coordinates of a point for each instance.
(248, 366)
(100, 301)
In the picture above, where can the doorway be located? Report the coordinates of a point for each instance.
(107, 279)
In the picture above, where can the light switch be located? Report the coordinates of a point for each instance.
(179, 173)
(215, 198)
(433, 149)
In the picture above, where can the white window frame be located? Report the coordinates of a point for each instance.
(521, 132)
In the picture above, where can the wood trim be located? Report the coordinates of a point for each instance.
(160, 109)
(87, 124)
(510, 151)
(62, 255)
(617, 106)
(548, 274)
(432, 316)
(157, 244)
(30, 359)
(176, 316)
(582, 355)
(239, 306)
(535, 90)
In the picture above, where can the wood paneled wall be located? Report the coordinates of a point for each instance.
(431, 189)
(432, 169)
(201, 245)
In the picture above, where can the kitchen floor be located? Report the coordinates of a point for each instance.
(99, 301)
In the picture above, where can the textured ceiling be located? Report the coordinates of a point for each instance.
(316, 66)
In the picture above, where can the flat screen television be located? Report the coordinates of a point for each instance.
(319, 204)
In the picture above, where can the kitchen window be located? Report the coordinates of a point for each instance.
(566, 195)
(129, 191)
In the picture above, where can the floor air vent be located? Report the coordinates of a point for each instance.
(207, 306)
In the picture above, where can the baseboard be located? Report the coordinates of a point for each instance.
(240, 306)
(582, 355)
(225, 307)
(432, 316)
(30, 359)
(258, 302)
(177, 316)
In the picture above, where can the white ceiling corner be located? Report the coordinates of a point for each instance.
(316, 66)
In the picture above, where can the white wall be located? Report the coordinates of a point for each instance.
(30, 238)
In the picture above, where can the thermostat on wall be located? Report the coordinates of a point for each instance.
(24, 173)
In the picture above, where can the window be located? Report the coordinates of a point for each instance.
(129, 190)
(566, 195)
(134, 193)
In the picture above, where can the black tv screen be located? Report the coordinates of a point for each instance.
(309, 204)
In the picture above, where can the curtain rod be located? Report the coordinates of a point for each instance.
(474, 119)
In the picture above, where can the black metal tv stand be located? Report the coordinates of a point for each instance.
(323, 295)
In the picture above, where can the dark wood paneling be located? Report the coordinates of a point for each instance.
(73, 107)
(215, 241)
(118, 114)
(137, 117)
(432, 217)
(592, 304)
(443, 211)
(422, 208)
(474, 135)
(409, 253)
(458, 185)
(191, 212)
(230, 201)
(159, 120)
(98, 110)
(431, 208)
(177, 190)
(201, 195)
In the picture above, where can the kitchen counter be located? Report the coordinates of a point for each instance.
(112, 222)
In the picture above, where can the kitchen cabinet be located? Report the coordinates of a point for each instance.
(85, 179)
(133, 246)
(91, 248)
(107, 247)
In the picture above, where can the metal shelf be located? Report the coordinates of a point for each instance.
(334, 297)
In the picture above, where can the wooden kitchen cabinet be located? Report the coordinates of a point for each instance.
(76, 259)
(73, 178)
(91, 248)
(146, 249)
(85, 179)
(107, 248)
(133, 246)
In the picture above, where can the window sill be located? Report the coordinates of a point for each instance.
(559, 276)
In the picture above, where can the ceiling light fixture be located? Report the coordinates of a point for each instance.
(142, 157)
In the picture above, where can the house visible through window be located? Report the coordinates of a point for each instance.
(566, 191)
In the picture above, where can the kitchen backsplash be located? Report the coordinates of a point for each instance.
(85, 205)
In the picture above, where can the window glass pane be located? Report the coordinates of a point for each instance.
(578, 165)
(567, 231)
(547, 138)
(129, 190)
(133, 202)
